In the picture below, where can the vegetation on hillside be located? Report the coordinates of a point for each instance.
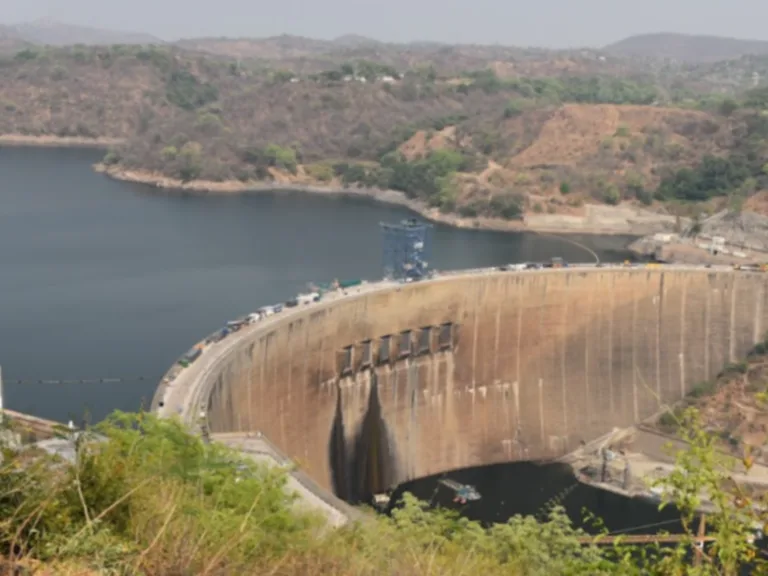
(479, 142)
(733, 405)
(152, 499)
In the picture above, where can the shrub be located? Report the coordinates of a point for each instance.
(280, 157)
(153, 499)
(190, 161)
(111, 158)
(622, 131)
(321, 172)
(514, 107)
(184, 90)
(611, 195)
(508, 206)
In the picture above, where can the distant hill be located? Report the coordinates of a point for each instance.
(686, 48)
(10, 41)
(355, 41)
(272, 48)
(50, 32)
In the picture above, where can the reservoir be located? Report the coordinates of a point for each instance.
(107, 279)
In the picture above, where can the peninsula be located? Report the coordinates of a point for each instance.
(506, 138)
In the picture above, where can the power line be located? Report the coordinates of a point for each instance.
(77, 380)
(633, 528)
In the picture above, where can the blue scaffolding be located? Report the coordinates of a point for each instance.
(406, 249)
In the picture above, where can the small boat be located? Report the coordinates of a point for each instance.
(464, 492)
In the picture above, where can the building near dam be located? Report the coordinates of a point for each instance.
(394, 381)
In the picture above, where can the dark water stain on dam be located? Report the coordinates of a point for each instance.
(362, 467)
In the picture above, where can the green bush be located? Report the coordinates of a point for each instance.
(713, 176)
(111, 158)
(184, 90)
(321, 172)
(281, 157)
(706, 388)
(27, 54)
(508, 206)
(153, 499)
(514, 107)
(611, 195)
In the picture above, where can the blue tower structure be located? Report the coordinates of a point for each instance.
(406, 249)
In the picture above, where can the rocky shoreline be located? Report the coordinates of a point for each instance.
(596, 220)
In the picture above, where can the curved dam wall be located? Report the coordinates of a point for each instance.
(391, 385)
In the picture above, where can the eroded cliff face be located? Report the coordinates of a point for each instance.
(494, 368)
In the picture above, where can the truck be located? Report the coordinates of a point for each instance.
(190, 356)
(302, 299)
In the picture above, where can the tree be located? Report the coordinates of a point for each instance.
(728, 107)
(701, 470)
(184, 90)
(281, 157)
(190, 161)
(514, 107)
(611, 195)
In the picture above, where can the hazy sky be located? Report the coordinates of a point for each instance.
(553, 23)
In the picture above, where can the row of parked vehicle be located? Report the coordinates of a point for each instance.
(556, 262)
(236, 325)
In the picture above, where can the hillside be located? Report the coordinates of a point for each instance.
(53, 33)
(477, 143)
(306, 55)
(733, 407)
(687, 48)
(10, 41)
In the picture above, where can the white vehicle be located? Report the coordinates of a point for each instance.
(266, 311)
(253, 317)
(302, 299)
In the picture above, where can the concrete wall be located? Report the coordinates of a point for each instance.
(538, 361)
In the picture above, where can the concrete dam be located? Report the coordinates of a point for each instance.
(400, 381)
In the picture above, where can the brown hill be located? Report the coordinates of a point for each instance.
(480, 146)
(10, 41)
(53, 33)
(686, 48)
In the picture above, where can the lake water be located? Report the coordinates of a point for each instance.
(106, 279)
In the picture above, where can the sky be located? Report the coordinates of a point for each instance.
(545, 23)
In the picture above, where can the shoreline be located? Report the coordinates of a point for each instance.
(598, 220)
(29, 141)
(392, 197)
